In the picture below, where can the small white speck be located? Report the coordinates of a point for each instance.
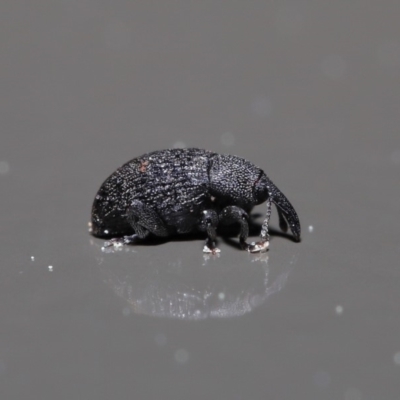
(106, 231)
(179, 145)
(396, 358)
(4, 167)
(32, 258)
(181, 356)
(311, 229)
(339, 310)
(352, 394)
(221, 296)
(160, 339)
(227, 139)
(50, 268)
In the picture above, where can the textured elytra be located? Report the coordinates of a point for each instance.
(183, 190)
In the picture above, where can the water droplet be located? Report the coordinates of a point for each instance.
(181, 356)
(311, 229)
(339, 310)
(50, 268)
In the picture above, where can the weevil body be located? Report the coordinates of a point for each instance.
(178, 191)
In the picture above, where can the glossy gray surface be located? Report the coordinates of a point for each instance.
(307, 90)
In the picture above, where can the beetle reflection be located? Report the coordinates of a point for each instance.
(180, 290)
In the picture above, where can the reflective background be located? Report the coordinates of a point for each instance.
(307, 90)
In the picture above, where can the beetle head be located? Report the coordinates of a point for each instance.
(262, 188)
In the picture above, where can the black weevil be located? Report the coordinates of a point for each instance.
(185, 190)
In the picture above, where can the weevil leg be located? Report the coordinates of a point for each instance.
(263, 244)
(145, 220)
(209, 223)
(116, 242)
(233, 214)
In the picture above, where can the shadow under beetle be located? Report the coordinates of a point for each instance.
(178, 191)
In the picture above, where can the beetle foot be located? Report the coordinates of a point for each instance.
(259, 247)
(244, 245)
(119, 242)
(213, 251)
(116, 242)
